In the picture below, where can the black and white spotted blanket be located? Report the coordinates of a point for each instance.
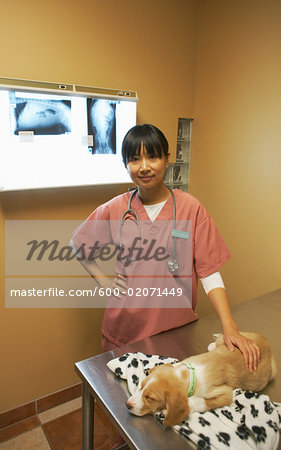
(252, 421)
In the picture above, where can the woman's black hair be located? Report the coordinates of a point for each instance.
(152, 139)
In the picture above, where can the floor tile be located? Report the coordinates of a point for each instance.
(19, 428)
(110, 447)
(33, 440)
(107, 423)
(65, 433)
(61, 410)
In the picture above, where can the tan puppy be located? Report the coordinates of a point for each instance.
(217, 372)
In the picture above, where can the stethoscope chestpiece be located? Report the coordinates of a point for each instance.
(173, 265)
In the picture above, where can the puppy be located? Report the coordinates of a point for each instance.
(176, 390)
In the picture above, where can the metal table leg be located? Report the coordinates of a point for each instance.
(87, 419)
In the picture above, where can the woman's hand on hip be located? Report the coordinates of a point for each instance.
(119, 286)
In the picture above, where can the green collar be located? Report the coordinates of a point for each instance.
(192, 382)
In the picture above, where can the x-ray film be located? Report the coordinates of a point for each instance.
(39, 115)
(102, 126)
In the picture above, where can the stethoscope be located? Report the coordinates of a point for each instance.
(173, 264)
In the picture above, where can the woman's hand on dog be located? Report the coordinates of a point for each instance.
(232, 337)
(248, 348)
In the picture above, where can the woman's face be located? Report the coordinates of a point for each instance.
(147, 171)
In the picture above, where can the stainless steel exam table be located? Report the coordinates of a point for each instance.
(261, 314)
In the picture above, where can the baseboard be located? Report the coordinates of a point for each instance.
(30, 409)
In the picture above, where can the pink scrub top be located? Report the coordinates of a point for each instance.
(154, 304)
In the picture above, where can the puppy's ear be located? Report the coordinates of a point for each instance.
(148, 371)
(177, 408)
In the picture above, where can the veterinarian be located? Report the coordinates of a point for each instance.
(146, 156)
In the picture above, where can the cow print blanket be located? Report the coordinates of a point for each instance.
(252, 421)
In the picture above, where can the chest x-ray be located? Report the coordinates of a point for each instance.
(102, 126)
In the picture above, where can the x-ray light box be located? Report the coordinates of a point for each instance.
(55, 135)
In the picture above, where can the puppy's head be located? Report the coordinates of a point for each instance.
(161, 390)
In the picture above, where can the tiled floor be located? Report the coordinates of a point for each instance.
(58, 428)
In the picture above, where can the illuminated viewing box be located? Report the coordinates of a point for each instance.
(55, 135)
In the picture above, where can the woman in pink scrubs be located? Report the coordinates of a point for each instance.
(146, 298)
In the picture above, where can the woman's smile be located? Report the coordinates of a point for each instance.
(146, 177)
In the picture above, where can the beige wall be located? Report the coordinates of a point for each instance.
(146, 46)
(236, 144)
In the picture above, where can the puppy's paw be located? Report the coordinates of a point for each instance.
(217, 335)
(211, 346)
(197, 404)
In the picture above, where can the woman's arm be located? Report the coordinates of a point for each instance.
(119, 281)
(104, 281)
(232, 337)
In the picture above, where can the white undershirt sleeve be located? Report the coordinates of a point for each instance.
(212, 281)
